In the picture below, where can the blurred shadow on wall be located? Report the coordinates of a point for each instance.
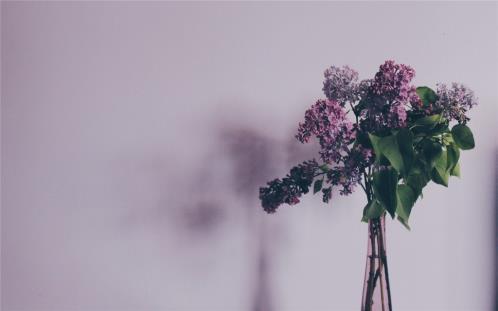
(253, 161)
(220, 189)
(184, 200)
(194, 204)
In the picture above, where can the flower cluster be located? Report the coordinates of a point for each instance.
(290, 188)
(341, 85)
(388, 96)
(392, 82)
(349, 174)
(453, 103)
(382, 106)
(328, 122)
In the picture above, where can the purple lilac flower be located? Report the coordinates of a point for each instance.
(364, 87)
(396, 117)
(384, 103)
(327, 120)
(341, 85)
(350, 173)
(454, 102)
(326, 194)
(381, 115)
(290, 188)
(393, 82)
(345, 176)
(388, 95)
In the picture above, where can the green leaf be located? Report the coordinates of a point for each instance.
(406, 200)
(417, 179)
(428, 122)
(372, 210)
(431, 151)
(384, 161)
(396, 148)
(456, 170)
(463, 136)
(317, 186)
(441, 179)
(405, 143)
(388, 146)
(439, 129)
(375, 144)
(442, 162)
(453, 154)
(440, 174)
(404, 223)
(427, 95)
(384, 185)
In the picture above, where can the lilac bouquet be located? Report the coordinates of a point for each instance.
(398, 140)
(387, 136)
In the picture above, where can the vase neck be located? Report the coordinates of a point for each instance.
(376, 289)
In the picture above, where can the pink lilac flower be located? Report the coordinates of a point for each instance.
(341, 85)
(453, 103)
(327, 121)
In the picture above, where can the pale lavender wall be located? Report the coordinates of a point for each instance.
(123, 125)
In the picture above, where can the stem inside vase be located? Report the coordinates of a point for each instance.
(376, 287)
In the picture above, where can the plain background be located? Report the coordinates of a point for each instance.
(130, 131)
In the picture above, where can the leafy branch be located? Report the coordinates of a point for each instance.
(390, 151)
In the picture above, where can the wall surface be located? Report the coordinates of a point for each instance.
(135, 136)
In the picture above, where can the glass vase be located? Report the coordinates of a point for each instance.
(376, 289)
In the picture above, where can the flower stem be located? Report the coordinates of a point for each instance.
(371, 274)
(378, 271)
(383, 259)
